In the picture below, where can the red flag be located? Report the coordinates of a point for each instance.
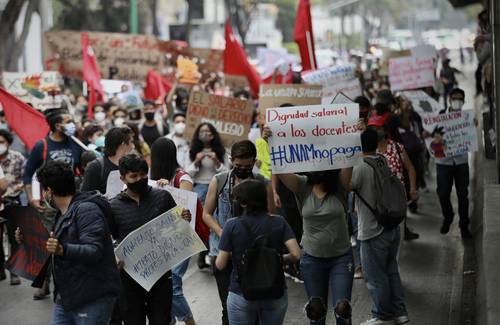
(156, 86)
(91, 75)
(24, 120)
(303, 36)
(236, 61)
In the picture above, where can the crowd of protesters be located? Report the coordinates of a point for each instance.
(327, 212)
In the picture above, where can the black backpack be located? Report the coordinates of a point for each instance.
(261, 268)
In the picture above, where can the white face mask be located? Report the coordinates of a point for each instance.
(179, 128)
(457, 104)
(3, 149)
(100, 116)
(119, 122)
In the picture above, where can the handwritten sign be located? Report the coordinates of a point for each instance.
(296, 95)
(458, 133)
(153, 249)
(114, 184)
(29, 258)
(231, 116)
(42, 90)
(313, 138)
(351, 88)
(411, 72)
(422, 103)
(330, 76)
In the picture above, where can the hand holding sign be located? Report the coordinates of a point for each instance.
(53, 246)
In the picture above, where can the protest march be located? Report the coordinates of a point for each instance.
(142, 175)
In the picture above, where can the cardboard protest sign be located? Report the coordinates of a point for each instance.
(296, 95)
(351, 88)
(411, 72)
(458, 133)
(29, 258)
(422, 103)
(42, 90)
(153, 249)
(236, 82)
(330, 76)
(185, 199)
(313, 138)
(112, 87)
(231, 116)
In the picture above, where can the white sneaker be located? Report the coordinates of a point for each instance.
(401, 320)
(376, 321)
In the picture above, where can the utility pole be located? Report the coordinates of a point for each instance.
(495, 24)
(134, 21)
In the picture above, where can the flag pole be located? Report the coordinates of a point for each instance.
(310, 50)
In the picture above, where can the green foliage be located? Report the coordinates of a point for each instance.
(291, 47)
(286, 17)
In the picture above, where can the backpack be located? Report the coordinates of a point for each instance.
(200, 227)
(260, 272)
(222, 179)
(390, 195)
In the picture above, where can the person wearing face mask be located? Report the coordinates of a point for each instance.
(207, 158)
(177, 136)
(93, 137)
(448, 78)
(119, 117)
(87, 280)
(100, 117)
(218, 208)
(152, 127)
(132, 208)
(12, 163)
(453, 170)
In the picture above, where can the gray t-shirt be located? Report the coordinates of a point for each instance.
(363, 182)
(325, 225)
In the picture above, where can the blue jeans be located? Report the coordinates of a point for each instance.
(245, 312)
(381, 273)
(97, 312)
(180, 307)
(323, 275)
(201, 190)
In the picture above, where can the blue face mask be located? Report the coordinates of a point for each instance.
(69, 129)
(99, 142)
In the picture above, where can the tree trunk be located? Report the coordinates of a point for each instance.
(8, 21)
(18, 47)
(153, 7)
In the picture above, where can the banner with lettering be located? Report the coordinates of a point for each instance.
(232, 117)
(350, 88)
(330, 76)
(296, 95)
(42, 90)
(313, 138)
(454, 134)
(31, 255)
(411, 72)
(153, 249)
(123, 56)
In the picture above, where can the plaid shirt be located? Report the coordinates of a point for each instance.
(13, 168)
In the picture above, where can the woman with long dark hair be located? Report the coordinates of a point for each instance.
(164, 166)
(207, 156)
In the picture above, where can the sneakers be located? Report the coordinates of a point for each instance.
(14, 280)
(358, 273)
(43, 292)
(410, 235)
(401, 320)
(445, 228)
(376, 321)
(293, 272)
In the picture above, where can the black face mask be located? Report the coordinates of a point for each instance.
(242, 173)
(140, 187)
(149, 116)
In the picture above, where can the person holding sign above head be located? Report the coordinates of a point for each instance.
(218, 208)
(240, 238)
(132, 208)
(86, 277)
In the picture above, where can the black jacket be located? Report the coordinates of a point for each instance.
(87, 270)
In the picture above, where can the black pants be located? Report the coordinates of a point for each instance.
(9, 214)
(156, 304)
(223, 278)
(445, 176)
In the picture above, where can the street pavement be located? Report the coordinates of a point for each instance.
(431, 271)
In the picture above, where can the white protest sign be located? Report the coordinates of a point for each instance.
(313, 138)
(351, 88)
(330, 76)
(411, 72)
(458, 133)
(422, 103)
(153, 249)
(114, 184)
(185, 199)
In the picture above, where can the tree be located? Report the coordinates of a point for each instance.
(240, 15)
(10, 44)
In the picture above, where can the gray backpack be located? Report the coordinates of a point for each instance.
(390, 195)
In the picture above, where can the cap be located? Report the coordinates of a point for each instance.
(378, 120)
